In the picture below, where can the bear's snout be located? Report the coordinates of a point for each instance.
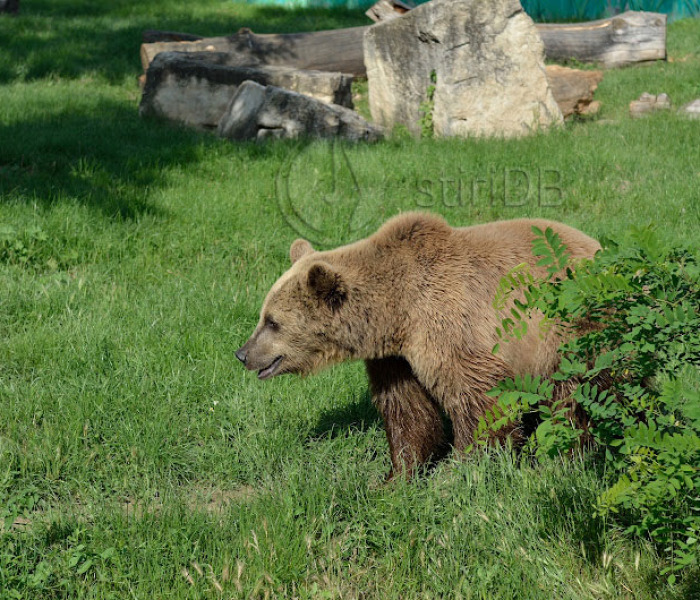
(242, 354)
(257, 355)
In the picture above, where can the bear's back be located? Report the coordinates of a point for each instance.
(517, 236)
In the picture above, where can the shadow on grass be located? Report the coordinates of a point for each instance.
(102, 155)
(73, 37)
(569, 508)
(361, 415)
(691, 585)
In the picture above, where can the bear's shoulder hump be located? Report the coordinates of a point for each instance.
(413, 227)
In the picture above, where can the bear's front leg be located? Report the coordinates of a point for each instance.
(460, 383)
(412, 419)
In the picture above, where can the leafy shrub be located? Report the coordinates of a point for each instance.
(427, 108)
(631, 318)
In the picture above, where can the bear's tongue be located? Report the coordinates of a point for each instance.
(269, 371)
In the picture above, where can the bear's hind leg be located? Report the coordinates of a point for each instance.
(412, 418)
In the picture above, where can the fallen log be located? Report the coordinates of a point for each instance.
(624, 39)
(573, 89)
(627, 38)
(332, 50)
(387, 9)
(195, 88)
(621, 40)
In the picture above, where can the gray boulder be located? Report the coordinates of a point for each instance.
(260, 112)
(487, 59)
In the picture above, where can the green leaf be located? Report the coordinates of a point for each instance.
(85, 567)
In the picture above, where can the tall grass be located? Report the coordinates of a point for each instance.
(135, 452)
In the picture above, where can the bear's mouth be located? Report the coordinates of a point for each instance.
(271, 369)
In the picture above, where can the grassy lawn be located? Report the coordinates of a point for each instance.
(137, 459)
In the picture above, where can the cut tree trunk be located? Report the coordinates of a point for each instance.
(387, 9)
(337, 50)
(627, 38)
(573, 89)
(195, 88)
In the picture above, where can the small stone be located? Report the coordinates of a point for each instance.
(692, 109)
(648, 103)
(592, 109)
(663, 101)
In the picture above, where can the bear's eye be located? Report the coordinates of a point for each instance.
(271, 323)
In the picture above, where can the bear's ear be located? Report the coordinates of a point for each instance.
(298, 249)
(327, 285)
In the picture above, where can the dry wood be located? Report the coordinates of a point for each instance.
(387, 9)
(332, 50)
(573, 89)
(627, 38)
(624, 39)
(195, 88)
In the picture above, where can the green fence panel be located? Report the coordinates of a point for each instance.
(550, 11)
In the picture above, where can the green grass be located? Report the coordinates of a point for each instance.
(134, 257)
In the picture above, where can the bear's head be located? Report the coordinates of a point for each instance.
(299, 330)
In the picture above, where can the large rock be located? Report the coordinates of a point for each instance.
(260, 112)
(196, 88)
(488, 60)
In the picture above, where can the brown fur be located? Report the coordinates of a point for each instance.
(414, 301)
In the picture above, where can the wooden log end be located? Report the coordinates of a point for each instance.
(385, 10)
(573, 89)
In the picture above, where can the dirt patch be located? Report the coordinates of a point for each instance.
(197, 499)
(216, 500)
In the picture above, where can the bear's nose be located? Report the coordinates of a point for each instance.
(242, 354)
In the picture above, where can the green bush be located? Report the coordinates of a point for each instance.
(632, 320)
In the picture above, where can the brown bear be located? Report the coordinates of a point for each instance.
(415, 302)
